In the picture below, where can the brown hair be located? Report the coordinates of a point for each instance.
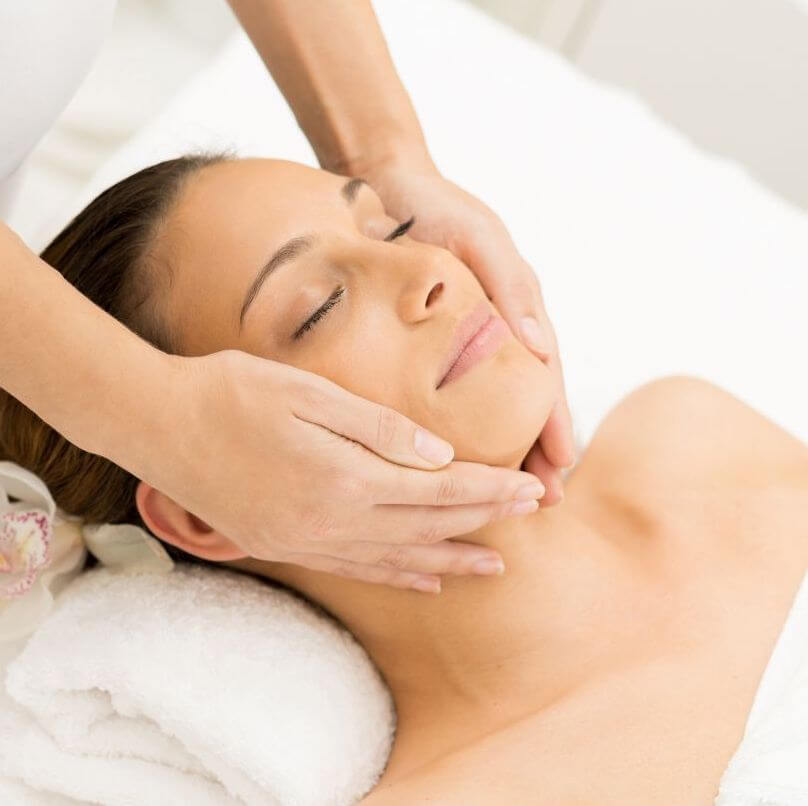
(106, 252)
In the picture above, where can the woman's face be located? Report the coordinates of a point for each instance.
(384, 318)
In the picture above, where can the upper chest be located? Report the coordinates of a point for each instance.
(658, 720)
(723, 493)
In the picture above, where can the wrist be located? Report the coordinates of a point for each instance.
(138, 411)
(388, 153)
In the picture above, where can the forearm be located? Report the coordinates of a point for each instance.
(78, 368)
(331, 62)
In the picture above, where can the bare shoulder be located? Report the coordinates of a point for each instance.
(683, 430)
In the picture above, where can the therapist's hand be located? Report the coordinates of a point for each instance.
(448, 216)
(307, 473)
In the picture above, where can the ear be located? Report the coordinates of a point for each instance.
(174, 524)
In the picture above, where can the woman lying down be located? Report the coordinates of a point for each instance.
(616, 660)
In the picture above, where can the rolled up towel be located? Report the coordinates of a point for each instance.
(202, 686)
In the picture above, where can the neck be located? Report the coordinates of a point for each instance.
(488, 650)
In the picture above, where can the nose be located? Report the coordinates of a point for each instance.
(423, 290)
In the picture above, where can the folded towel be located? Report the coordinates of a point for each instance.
(202, 686)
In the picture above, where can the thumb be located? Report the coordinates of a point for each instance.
(380, 429)
(514, 288)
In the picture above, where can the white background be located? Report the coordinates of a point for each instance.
(731, 74)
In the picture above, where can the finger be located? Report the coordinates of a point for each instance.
(445, 557)
(380, 429)
(518, 297)
(514, 288)
(517, 294)
(538, 336)
(556, 438)
(376, 574)
(459, 483)
(536, 462)
(419, 525)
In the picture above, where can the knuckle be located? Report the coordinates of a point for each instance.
(385, 429)
(429, 533)
(449, 490)
(395, 558)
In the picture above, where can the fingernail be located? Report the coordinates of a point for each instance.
(489, 565)
(431, 448)
(533, 334)
(427, 585)
(530, 492)
(523, 507)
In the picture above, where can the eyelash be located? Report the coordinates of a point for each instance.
(401, 229)
(319, 313)
(337, 293)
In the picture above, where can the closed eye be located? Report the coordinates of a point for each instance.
(320, 312)
(336, 295)
(401, 229)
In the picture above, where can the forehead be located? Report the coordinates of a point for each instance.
(229, 219)
(231, 195)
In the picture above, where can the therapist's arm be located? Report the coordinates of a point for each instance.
(79, 369)
(331, 62)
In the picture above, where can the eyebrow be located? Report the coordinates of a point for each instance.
(351, 188)
(290, 250)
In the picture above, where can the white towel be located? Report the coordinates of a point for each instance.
(202, 686)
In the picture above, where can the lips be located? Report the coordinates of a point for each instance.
(478, 336)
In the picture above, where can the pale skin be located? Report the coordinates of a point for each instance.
(111, 393)
(616, 660)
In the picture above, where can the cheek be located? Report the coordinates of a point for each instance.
(369, 356)
(494, 413)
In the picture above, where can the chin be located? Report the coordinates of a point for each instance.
(500, 408)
